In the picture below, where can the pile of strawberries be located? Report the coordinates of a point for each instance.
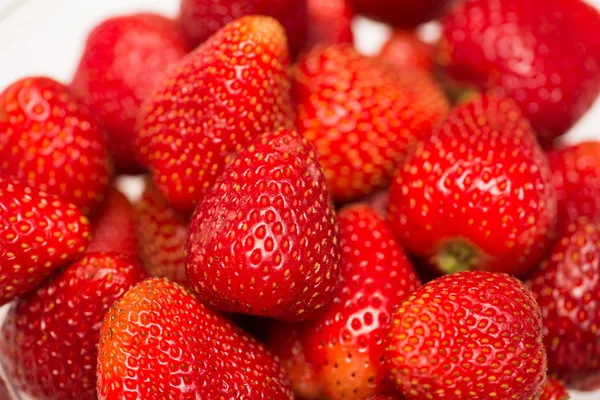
(315, 223)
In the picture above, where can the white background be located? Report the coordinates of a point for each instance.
(45, 37)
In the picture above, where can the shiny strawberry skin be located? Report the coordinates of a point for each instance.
(477, 193)
(113, 227)
(404, 49)
(286, 341)
(379, 202)
(162, 232)
(51, 140)
(228, 91)
(38, 233)
(576, 174)
(525, 49)
(361, 115)
(264, 241)
(202, 18)
(345, 344)
(554, 390)
(122, 59)
(468, 334)
(330, 22)
(49, 338)
(566, 288)
(403, 13)
(160, 342)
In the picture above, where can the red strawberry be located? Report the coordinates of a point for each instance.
(567, 289)
(123, 58)
(527, 50)
(330, 21)
(162, 233)
(202, 18)
(406, 13)
(286, 341)
(345, 344)
(554, 390)
(264, 241)
(49, 339)
(361, 115)
(159, 342)
(51, 140)
(477, 193)
(468, 335)
(228, 91)
(576, 172)
(405, 50)
(113, 228)
(38, 233)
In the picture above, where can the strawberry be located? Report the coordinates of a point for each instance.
(202, 18)
(123, 57)
(405, 13)
(286, 341)
(162, 232)
(361, 115)
(38, 233)
(51, 140)
(567, 290)
(404, 49)
(554, 390)
(218, 98)
(264, 241)
(345, 344)
(526, 50)
(473, 334)
(49, 339)
(330, 21)
(576, 173)
(160, 342)
(113, 228)
(477, 193)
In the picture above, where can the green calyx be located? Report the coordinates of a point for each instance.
(456, 255)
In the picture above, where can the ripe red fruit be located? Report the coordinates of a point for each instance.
(404, 49)
(477, 193)
(123, 58)
(526, 50)
(159, 342)
(361, 115)
(264, 241)
(406, 13)
(113, 227)
(468, 335)
(49, 339)
(567, 290)
(554, 390)
(38, 233)
(227, 92)
(202, 18)
(330, 21)
(162, 233)
(576, 173)
(345, 344)
(51, 140)
(286, 341)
